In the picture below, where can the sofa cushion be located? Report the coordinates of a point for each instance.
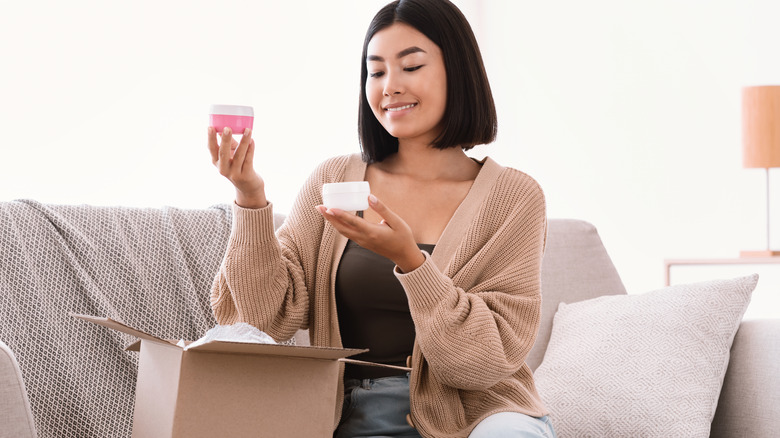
(749, 402)
(648, 365)
(575, 267)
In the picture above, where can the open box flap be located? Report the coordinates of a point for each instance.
(118, 326)
(136, 346)
(374, 364)
(267, 349)
(277, 350)
(228, 347)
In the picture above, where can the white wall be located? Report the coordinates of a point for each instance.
(106, 102)
(628, 113)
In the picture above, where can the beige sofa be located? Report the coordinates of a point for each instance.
(152, 268)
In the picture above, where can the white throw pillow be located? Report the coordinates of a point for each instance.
(648, 365)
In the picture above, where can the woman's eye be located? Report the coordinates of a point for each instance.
(376, 74)
(417, 67)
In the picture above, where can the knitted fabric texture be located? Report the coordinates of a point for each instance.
(151, 268)
(475, 301)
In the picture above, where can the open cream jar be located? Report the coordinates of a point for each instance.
(236, 117)
(347, 196)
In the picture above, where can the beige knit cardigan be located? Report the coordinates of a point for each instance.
(475, 301)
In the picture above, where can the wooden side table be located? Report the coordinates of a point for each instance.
(735, 261)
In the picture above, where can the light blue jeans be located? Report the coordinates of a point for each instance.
(513, 425)
(375, 408)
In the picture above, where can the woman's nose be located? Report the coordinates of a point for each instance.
(392, 84)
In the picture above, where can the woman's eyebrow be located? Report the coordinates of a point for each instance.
(401, 54)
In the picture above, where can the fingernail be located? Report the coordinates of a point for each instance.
(330, 212)
(372, 199)
(247, 131)
(226, 131)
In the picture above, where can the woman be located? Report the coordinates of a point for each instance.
(443, 267)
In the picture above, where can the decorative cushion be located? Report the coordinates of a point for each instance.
(648, 365)
(575, 267)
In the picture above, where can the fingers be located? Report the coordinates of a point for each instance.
(391, 238)
(360, 230)
(230, 156)
(224, 150)
(213, 145)
(347, 224)
(348, 221)
(239, 156)
(389, 218)
(339, 218)
(250, 155)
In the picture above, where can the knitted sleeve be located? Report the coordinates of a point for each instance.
(266, 278)
(476, 325)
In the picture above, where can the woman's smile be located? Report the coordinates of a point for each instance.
(400, 109)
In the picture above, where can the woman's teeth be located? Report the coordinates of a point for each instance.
(402, 107)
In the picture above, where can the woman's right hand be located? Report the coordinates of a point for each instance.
(234, 161)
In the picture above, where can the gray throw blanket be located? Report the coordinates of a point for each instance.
(150, 268)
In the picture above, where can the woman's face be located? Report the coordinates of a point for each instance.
(407, 83)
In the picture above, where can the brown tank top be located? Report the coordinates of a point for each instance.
(373, 311)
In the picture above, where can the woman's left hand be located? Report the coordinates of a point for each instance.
(391, 238)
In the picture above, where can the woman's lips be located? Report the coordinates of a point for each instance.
(402, 107)
(399, 109)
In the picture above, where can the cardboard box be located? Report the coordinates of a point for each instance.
(231, 389)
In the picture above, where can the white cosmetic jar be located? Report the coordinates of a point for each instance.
(347, 196)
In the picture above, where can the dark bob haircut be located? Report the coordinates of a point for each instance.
(470, 114)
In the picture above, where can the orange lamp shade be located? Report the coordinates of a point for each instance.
(761, 126)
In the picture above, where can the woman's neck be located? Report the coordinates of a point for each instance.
(428, 163)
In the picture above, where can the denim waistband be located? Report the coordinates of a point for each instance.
(368, 383)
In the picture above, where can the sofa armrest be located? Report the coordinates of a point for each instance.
(16, 419)
(749, 402)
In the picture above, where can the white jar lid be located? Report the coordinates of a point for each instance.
(232, 110)
(345, 187)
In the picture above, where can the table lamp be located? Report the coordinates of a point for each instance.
(761, 141)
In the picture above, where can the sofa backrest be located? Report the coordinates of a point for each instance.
(575, 267)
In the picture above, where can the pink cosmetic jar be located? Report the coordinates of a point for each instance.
(236, 117)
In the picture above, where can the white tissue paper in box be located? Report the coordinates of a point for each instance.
(238, 332)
